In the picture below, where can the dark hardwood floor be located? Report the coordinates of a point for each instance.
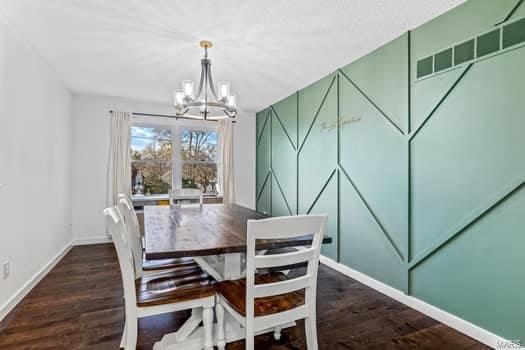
(79, 305)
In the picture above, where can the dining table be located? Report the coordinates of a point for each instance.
(214, 236)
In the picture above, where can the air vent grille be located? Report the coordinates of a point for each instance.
(514, 33)
(496, 41)
(464, 52)
(425, 66)
(487, 43)
(443, 60)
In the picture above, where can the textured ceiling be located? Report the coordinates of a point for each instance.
(266, 49)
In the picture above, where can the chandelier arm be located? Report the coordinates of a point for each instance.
(201, 83)
(206, 66)
(230, 114)
(212, 85)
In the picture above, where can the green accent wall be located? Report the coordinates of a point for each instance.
(422, 178)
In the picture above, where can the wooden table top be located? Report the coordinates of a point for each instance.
(172, 232)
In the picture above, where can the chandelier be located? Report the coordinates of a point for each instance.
(206, 104)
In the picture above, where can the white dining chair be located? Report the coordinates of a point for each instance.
(179, 195)
(267, 301)
(158, 294)
(135, 239)
(129, 203)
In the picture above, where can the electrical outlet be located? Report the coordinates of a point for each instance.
(7, 269)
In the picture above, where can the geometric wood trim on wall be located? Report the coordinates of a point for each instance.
(374, 216)
(474, 216)
(372, 102)
(518, 31)
(455, 234)
(412, 261)
(302, 180)
(273, 118)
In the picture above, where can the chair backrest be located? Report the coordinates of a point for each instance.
(133, 219)
(185, 194)
(286, 227)
(133, 231)
(118, 232)
(129, 203)
(127, 198)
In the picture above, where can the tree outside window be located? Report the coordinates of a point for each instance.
(199, 160)
(151, 160)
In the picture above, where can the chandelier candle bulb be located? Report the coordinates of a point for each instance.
(187, 87)
(224, 89)
(232, 101)
(178, 96)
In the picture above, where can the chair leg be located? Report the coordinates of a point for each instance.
(131, 334)
(311, 332)
(250, 338)
(250, 342)
(277, 333)
(124, 331)
(221, 341)
(207, 320)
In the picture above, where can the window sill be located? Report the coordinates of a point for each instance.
(158, 199)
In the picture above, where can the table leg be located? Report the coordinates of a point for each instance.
(211, 266)
(190, 325)
(232, 266)
(223, 267)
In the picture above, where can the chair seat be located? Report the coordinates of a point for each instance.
(234, 292)
(174, 286)
(164, 264)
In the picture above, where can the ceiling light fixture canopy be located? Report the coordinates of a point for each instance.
(206, 104)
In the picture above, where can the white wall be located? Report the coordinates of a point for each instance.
(244, 159)
(90, 151)
(35, 163)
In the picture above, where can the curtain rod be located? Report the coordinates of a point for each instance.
(176, 117)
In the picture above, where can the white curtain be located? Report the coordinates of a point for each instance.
(225, 165)
(119, 162)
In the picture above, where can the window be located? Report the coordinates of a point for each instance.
(151, 160)
(166, 157)
(199, 160)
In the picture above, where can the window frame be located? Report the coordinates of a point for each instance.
(177, 127)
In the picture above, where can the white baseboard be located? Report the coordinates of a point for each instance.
(465, 327)
(92, 240)
(33, 281)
